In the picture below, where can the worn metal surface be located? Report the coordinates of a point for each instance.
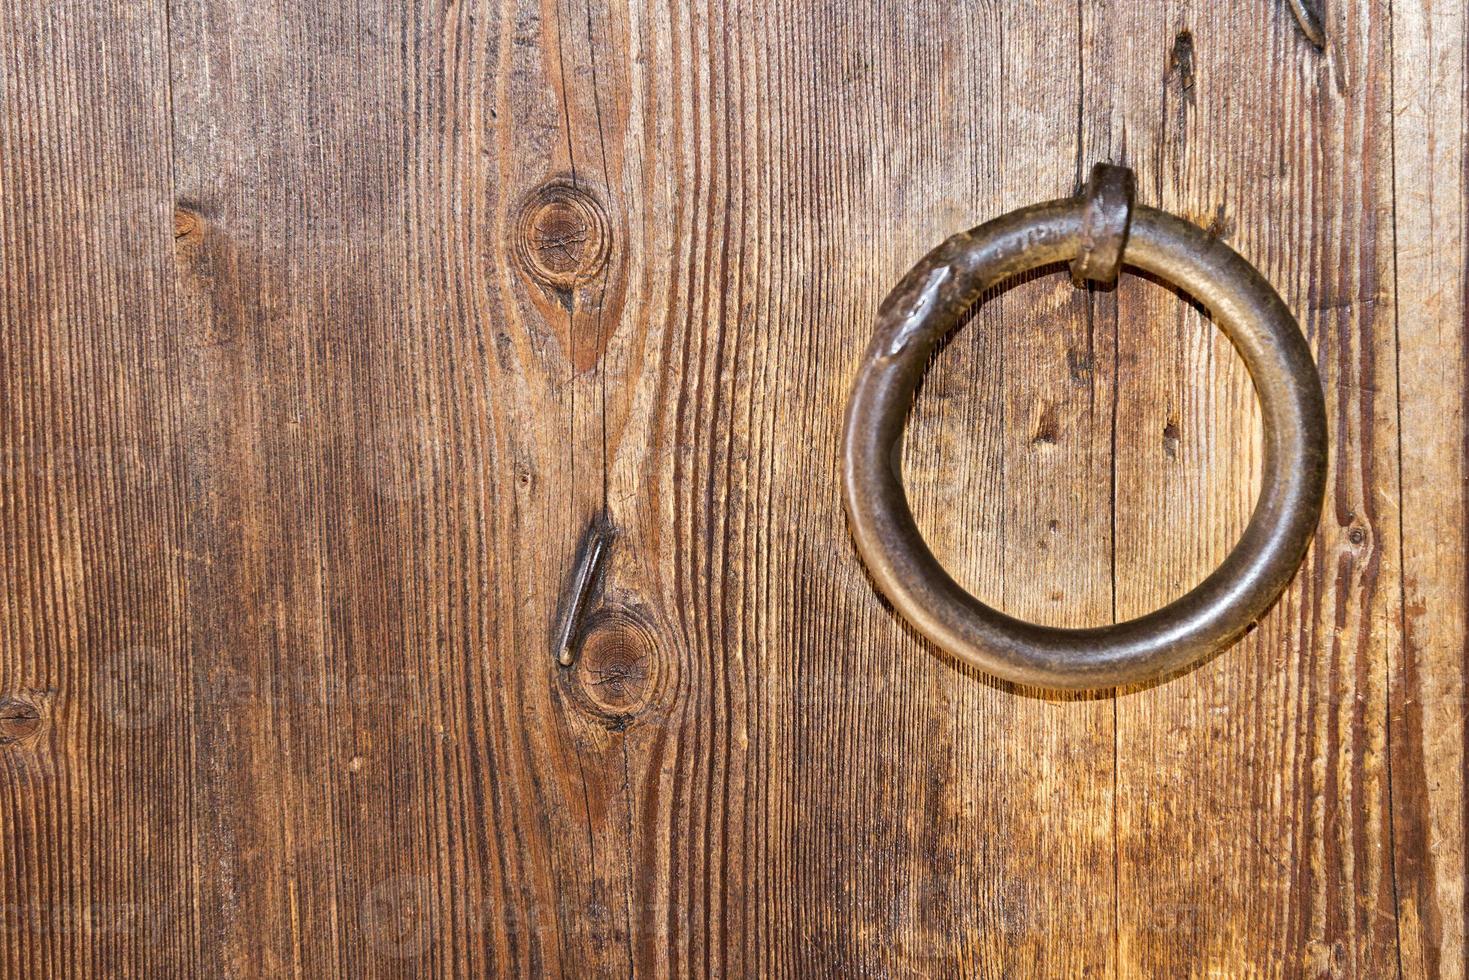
(930, 301)
(1109, 196)
(581, 588)
(1312, 23)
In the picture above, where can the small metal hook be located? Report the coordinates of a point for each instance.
(582, 587)
(1310, 19)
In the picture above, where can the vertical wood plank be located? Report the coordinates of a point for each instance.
(285, 149)
(976, 860)
(95, 854)
(1267, 765)
(419, 202)
(1430, 728)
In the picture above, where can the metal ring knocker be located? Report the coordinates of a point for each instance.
(1097, 232)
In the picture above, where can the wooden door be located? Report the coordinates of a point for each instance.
(333, 332)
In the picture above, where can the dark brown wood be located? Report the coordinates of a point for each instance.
(96, 794)
(328, 329)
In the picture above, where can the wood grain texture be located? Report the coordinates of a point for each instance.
(1429, 679)
(331, 330)
(1269, 761)
(96, 854)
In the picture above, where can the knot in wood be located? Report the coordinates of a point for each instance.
(188, 226)
(617, 669)
(563, 237)
(19, 719)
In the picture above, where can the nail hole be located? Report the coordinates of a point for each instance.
(1047, 427)
(1181, 61)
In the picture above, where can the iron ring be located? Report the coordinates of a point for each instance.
(933, 298)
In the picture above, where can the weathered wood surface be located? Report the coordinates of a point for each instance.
(328, 328)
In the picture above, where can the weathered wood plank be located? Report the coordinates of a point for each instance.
(305, 428)
(292, 499)
(1430, 679)
(1001, 840)
(1267, 766)
(447, 285)
(95, 857)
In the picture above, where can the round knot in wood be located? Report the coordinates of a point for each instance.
(563, 237)
(18, 720)
(617, 668)
(188, 226)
